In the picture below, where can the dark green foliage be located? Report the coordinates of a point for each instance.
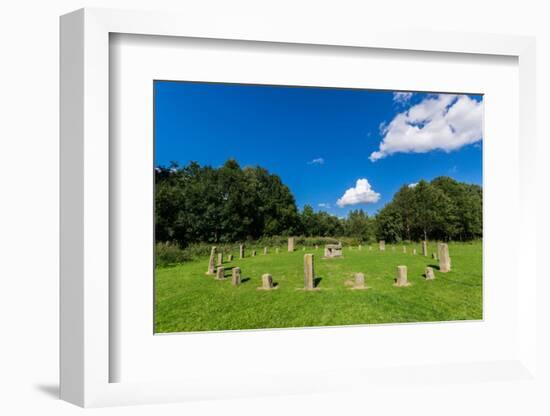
(442, 209)
(226, 205)
(229, 204)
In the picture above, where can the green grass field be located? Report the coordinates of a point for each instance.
(189, 300)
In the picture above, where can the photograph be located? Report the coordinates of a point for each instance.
(288, 206)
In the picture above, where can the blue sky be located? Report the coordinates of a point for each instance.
(322, 141)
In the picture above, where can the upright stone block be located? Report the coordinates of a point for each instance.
(277, 250)
(253, 253)
(230, 257)
(309, 274)
(429, 273)
(360, 247)
(434, 256)
(265, 251)
(236, 276)
(359, 281)
(211, 262)
(414, 251)
(382, 245)
(404, 250)
(316, 247)
(267, 282)
(291, 243)
(220, 259)
(424, 248)
(401, 277)
(220, 273)
(241, 251)
(444, 258)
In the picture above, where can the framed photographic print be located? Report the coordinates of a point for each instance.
(260, 212)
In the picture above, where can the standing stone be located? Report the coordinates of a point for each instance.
(434, 256)
(424, 248)
(236, 276)
(291, 243)
(267, 282)
(230, 257)
(309, 276)
(429, 272)
(316, 247)
(211, 266)
(359, 281)
(360, 247)
(414, 251)
(220, 273)
(277, 250)
(253, 253)
(401, 278)
(241, 251)
(444, 259)
(265, 251)
(404, 249)
(382, 245)
(220, 259)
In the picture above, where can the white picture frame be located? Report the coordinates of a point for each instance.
(85, 211)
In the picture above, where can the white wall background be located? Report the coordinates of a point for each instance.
(29, 57)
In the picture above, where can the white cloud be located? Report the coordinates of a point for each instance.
(317, 161)
(362, 193)
(412, 185)
(402, 97)
(443, 122)
(323, 205)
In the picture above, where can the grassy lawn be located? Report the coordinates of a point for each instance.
(189, 300)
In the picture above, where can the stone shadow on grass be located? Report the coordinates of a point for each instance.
(434, 266)
(317, 281)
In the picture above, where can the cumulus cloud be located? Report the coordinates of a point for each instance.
(317, 161)
(362, 193)
(444, 122)
(402, 97)
(323, 205)
(412, 185)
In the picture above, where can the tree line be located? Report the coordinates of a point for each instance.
(196, 203)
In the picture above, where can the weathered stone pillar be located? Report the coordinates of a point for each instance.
(424, 248)
(429, 272)
(267, 282)
(359, 282)
(236, 276)
(291, 243)
(277, 250)
(230, 257)
(404, 249)
(382, 245)
(434, 256)
(211, 266)
(220, 273)
(241, 251)
(360, 247)
(309, 274)
(220, 258)
(265, 251)
(253, 253)
(444, 258)
(414, 251)
(401, 278)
